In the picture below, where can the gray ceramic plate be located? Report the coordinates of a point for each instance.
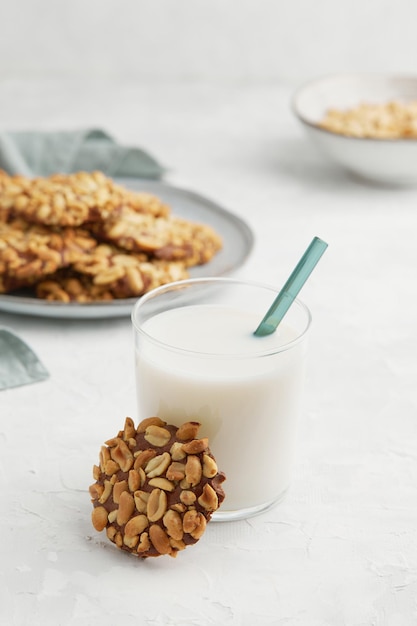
(237, 244)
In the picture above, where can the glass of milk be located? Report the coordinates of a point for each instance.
(197, 359)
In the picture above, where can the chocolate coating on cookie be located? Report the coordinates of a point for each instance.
(156, 487)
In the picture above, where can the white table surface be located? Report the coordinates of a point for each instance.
(341, 550)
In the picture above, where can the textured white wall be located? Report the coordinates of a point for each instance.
(210, 40)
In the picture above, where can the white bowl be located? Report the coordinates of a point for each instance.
(390, 161)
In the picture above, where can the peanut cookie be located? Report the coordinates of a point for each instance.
(108, 273)
(156, 487)
(81, 237)
(29, 252)
(168, 238)
(71, 199)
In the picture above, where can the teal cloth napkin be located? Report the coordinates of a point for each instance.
(32, 153)
(19, 365)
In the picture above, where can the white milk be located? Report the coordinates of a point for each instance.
(246, 402)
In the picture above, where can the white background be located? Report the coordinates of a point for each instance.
(205, 40)
(206, 87)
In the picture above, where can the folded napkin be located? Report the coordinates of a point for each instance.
(19, 365)
(35, 153)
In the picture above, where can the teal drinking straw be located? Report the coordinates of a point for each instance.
(292, 287)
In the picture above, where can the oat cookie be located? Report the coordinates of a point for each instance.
(156, 487)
